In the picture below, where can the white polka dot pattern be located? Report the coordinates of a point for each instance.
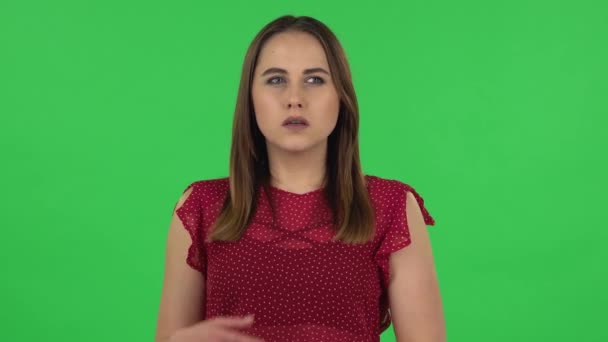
(300, 285)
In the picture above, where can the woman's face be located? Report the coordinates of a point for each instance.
(292, 78)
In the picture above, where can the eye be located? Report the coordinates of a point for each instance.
(273, 80)
(318, 80)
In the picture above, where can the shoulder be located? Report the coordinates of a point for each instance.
(395, 195)
(203, 199)
(386, 188)
(209, 186)
(206, 191)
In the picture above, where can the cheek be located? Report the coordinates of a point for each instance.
(263, 107)
(266, 100)
(268, 112)
(334, 110)
(329, 107)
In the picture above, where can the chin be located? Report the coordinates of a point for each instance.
(295, 147)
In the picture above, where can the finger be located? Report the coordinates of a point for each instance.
(233, 322)
(232, 336)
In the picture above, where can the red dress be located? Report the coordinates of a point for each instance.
(300, 285)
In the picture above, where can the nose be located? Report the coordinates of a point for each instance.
(295, 99)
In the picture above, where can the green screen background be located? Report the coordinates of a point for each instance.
(494, 111)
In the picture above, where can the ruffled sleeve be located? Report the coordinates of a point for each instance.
(190, 214)
(396, 234)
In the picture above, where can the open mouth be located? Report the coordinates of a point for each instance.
(295, 127)
(295, 122)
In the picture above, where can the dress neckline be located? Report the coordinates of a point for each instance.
(279, 191)
(310, 193)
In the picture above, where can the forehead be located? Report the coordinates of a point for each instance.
(292, 50)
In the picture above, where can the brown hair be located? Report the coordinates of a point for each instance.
(345, 183)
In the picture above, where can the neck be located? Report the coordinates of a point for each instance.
(297, 172)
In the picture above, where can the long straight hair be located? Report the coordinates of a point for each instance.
(346, 188)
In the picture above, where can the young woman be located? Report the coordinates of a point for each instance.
(297, 235)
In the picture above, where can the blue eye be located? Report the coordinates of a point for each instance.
(270, 81)
(320, 80)
(278, 80)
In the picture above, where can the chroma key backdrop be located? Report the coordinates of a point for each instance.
(495, 111)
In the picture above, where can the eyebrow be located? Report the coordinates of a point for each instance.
(283, 71)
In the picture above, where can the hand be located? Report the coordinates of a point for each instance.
(219, 329)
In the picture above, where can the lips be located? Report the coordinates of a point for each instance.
(295, 120)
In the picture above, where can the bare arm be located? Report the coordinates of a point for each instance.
(414, 296)
(183, 287)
